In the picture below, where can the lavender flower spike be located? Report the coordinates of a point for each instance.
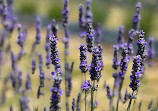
(65, 13)
(88, 16)
(137, 17)
(73, 104)
(121, 36)
(28, 85)
(83, 58)
(55, 104)
(142, 50)
(136, 75)
(81, 17)
(151, 51)
(20, 36)
(116, 57)
(38, 30)
(33, 66)
(95, 69)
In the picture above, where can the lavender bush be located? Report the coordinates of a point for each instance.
(31, 91)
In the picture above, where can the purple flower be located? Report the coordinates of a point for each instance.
(136, 75)
(19, 78)
(73, 104)
(88, 16)
(13, 61)
(95, 68)
(83, 58)
(38, 30)
(151, 51)
(142, 50)
(24, 101)
(20, 36)
(90, 36)
(81, 16)
(137, 17)
(65, 13)
(121, 36)
(109, 94)
(101, 56)
(98, 33)
(3, 37)
(124, 61)
(86, 85)
(116, 57)
(28, 85)
(33, 66)
(78, 103)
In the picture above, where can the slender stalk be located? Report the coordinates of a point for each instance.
(92, 94)
(118, 99)
(85, 94)
(129, 105)
(65, 60)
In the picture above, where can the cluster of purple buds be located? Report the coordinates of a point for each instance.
(24, 101)
(83, 58)
(4, 13)
(68, 77)
(86, 85)
(57, 92)
(136, 74)
(132, 33)
(81, 16)
(120, 39)
(28, 85)
(98, 33)
(54, 51)
(13, 61)
(20, 36)
(95, 68)
(142, 50)
(124, 61)
(88, 16)
(116, 57)
(73, 104)
(137, 17)
(20, 78)
(47, 47)
(90, 36)
(65, 13)
(109, 94)
(38, 30)
(33, 66)
(55, 104)
(151, 51)
(54, 27)
(101, 56)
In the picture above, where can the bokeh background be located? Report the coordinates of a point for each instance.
(111, 14)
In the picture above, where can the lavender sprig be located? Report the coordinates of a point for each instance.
(55, 104)
(142, 50)
(28, 85)
(120, 39)
(81, 16)
(151, 51)
(73, 104)
(33, 66)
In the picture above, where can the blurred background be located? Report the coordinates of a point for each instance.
(111, 14)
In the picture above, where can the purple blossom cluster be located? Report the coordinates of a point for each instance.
(83, 58)
(150, 51)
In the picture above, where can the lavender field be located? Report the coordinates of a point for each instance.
(76, 56)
